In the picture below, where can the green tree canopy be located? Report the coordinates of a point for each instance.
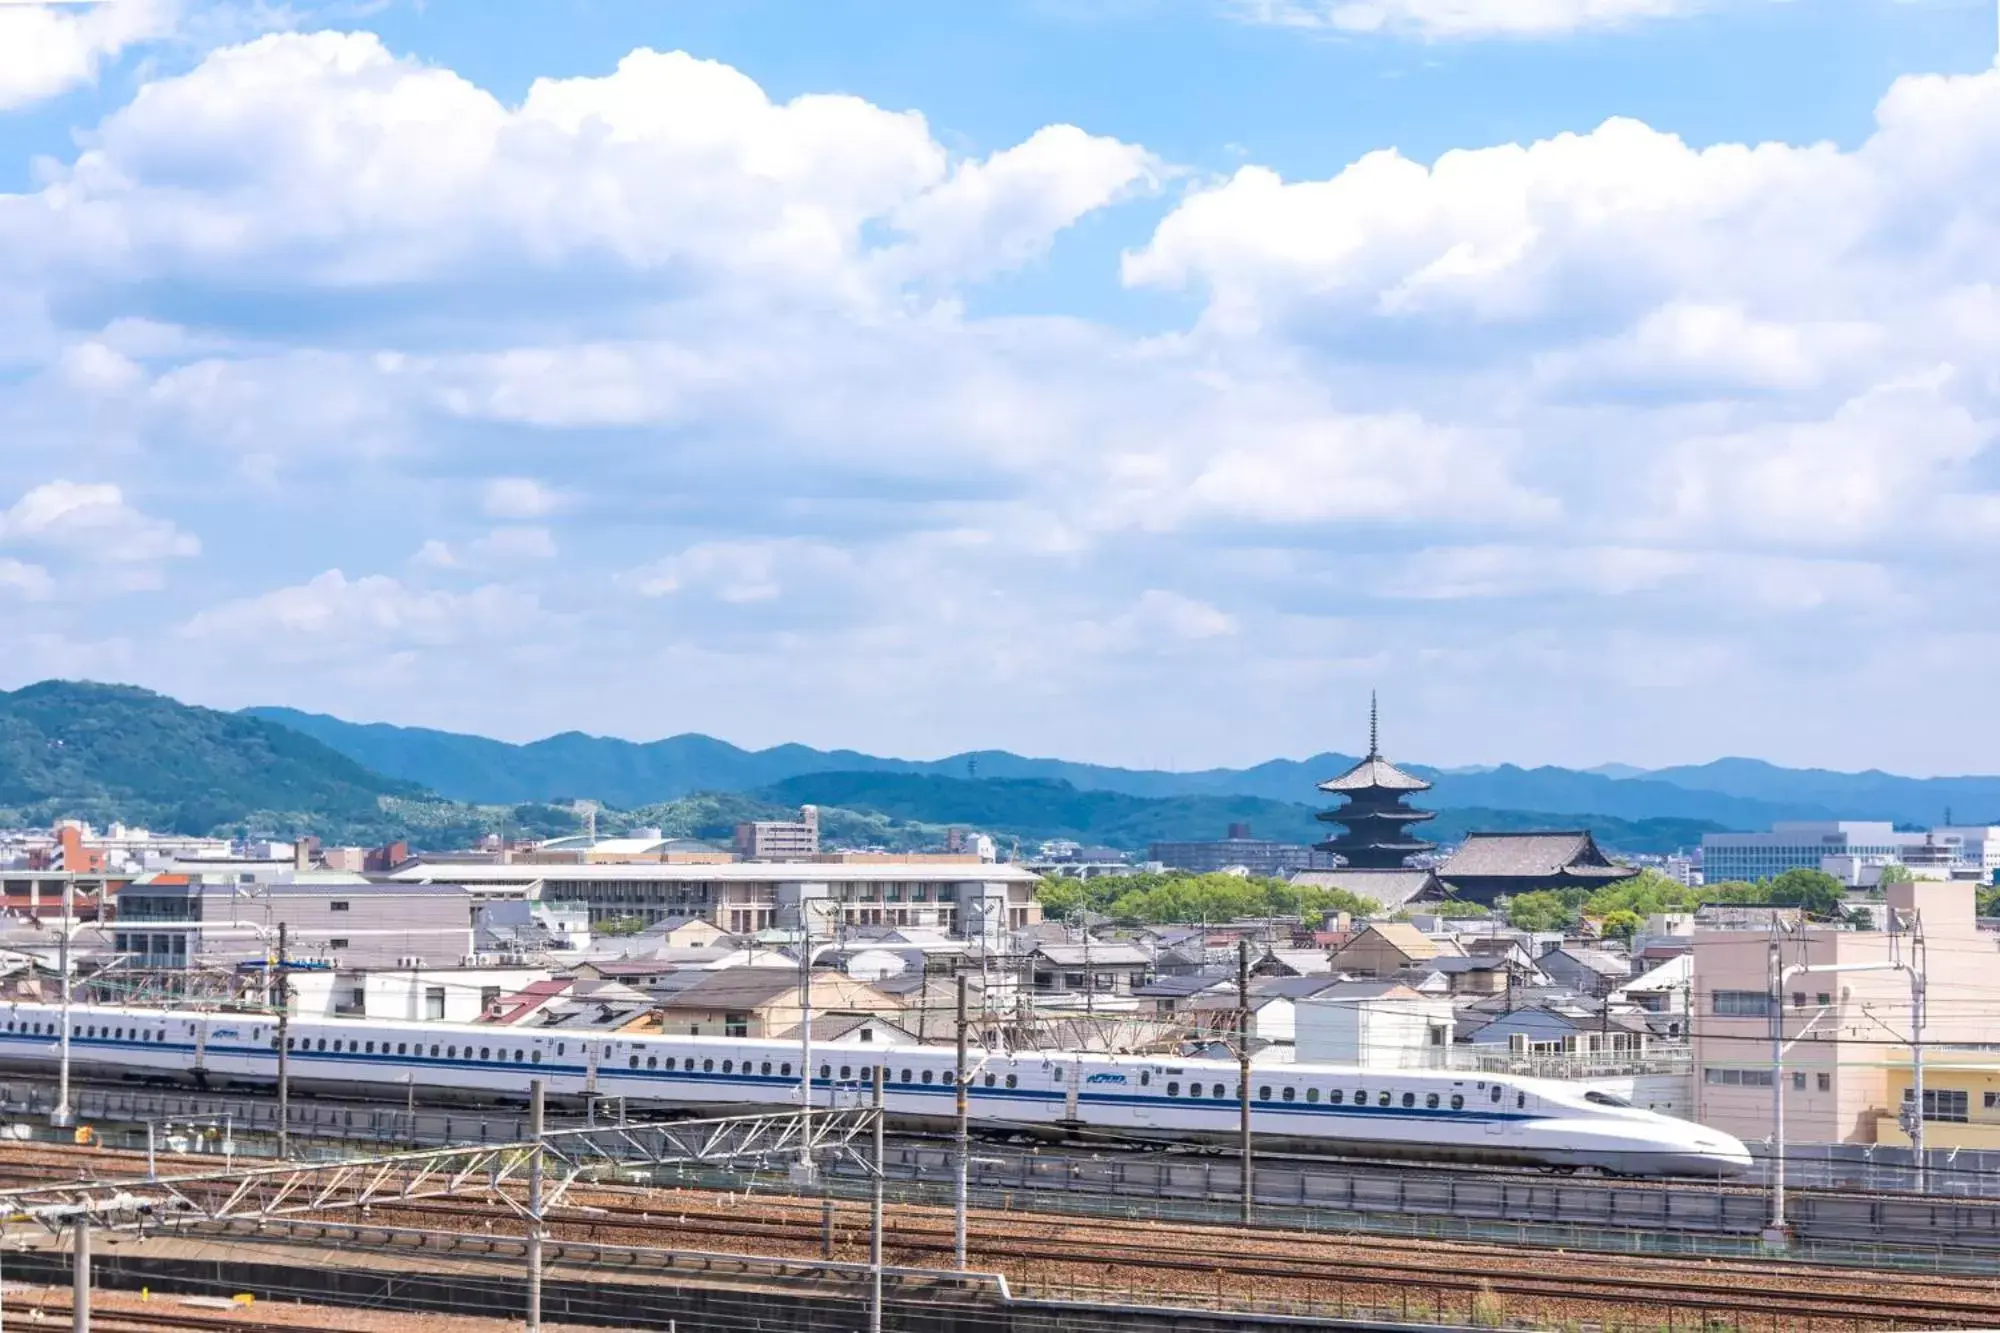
(1184, 899)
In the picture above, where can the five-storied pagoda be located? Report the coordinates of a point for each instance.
(1375, 819)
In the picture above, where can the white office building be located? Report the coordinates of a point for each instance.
(1799, 845)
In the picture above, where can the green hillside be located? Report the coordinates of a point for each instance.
(103, 752)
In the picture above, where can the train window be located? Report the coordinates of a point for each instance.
(1194, 1089)
(121, 1033)
(1520, 1099)
(371, 1047)
(927, 1076)
(1312, 1095)
(668, 1063)
(1264, 1093)
(322, 1043)
(1361, 1097)
(1219, 1091)
(336, 1043)
(826, 1071)
(991, 1080)
(560, 1047)
(1431, 1101)
(785, 1069)
(402, 1048)
(728, 1066)
(765, 1069)
(1291, 1094)
(485, 1052)
(909, 1077)
(1409, 1099)
(1457, 1101)
(1145, 1078)
(1012, 1081)
(847, 1072)
(451, 1052)
(652, 1062)
(290, 1042)
(1496, 1092)
(1381, 1099)
(434, 1052)
(1173, 1089)
(633, 1063)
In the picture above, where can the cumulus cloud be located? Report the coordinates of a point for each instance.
(519, 497)
(93, 522)
(332, 614)
(49, 49)
(25, 580)
(323, 159)
(1460, 18)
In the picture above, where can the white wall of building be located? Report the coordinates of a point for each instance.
(1371, 1033)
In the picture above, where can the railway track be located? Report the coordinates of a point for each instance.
(105, 1319)
(1162, 1258)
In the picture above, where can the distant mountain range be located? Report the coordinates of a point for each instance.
(1730, 793)
(113, 752)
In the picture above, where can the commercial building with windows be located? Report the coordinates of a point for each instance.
(1848, 1032)
(1260, 856)
(1798, 846)
(965, 898)
(179, 920)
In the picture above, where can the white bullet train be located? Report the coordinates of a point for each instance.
(1431, 1115)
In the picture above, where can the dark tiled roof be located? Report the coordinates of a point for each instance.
(1375, 771)
(1530, 855)
(1390, 888)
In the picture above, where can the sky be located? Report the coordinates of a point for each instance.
(1135, 381)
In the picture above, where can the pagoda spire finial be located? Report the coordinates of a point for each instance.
(1374, 745)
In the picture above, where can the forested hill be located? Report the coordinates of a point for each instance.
(72, 749)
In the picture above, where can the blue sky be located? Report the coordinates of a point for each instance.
(1140, 381)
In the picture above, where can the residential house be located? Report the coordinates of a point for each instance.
(1093, 970)
(1386, 948)
(763, 1002)
(1373, 1024)
(1587, 971)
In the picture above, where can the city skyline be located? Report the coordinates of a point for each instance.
(1137, 382)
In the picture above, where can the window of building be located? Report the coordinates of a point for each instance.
(1736, 1078)
(338, 905)
(1740, 1004)
(434, 1003)
(1798, 1080)
(1823, 999)
(1943, 1104)
(1798, 999)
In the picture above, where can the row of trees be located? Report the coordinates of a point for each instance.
(1186, 899)
(1621, 909)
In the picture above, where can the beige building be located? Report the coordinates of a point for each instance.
(764, 1002)
(1387, 947)
(780, 839)
(1848, 1031)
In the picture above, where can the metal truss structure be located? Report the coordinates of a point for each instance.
(500, 1173)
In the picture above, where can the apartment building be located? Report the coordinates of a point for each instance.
(180, 919)
(1849, 1031)
(780, 839)
(964, 898)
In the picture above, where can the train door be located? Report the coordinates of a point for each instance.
(1496, 1122)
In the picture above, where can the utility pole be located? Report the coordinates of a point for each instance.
(803, 1172)
(535, 1227)
(1774, 1234)
(284, 1050)
(63, 1116)
(960, 1164)
(79, 1296)
(875, 1215)
(1243, 1067)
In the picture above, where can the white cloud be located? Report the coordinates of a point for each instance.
(25, 580)
(324, 160)
(519, 497)
(93, 522)
(332, 614)
(49, 49)
(1160, 611)
(737, 571)
(1460, 18)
